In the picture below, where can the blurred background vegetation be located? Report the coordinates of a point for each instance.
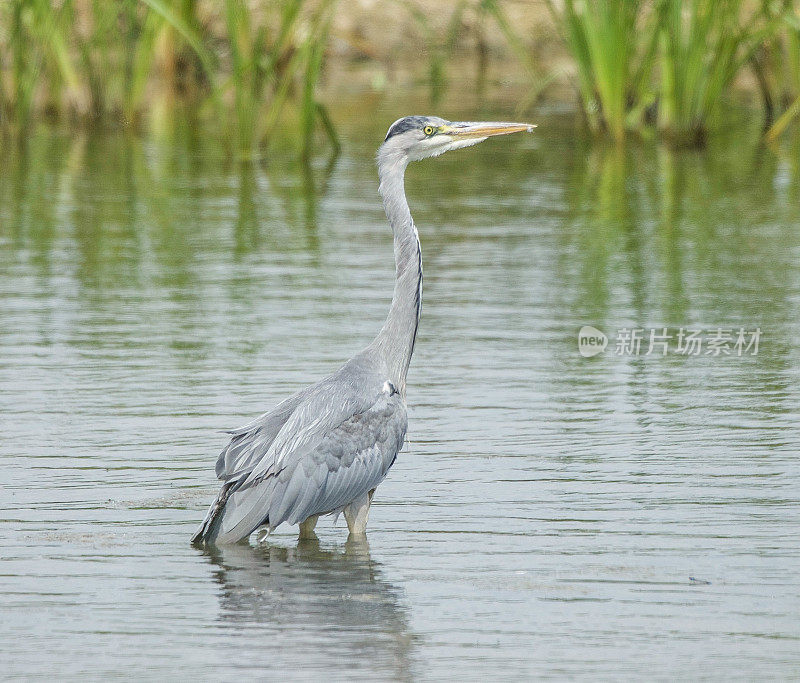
(645, 67)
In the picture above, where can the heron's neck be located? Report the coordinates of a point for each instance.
(395, 341)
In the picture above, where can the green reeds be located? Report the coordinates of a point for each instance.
(269, 66)
(110, 61)
(35, 49)
(703, 46)
(786, 70)
(613, 45)
(668, 63)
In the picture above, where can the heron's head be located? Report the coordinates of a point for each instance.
(418, 137)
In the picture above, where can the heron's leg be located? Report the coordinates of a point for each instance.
(357, 514)
(307, 527)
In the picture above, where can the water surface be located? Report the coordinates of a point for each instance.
(551, 515)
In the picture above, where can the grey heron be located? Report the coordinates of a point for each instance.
(325, 449)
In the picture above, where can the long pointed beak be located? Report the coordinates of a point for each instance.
(483, 129)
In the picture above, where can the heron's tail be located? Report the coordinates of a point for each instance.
(209, 529)
(235, 513)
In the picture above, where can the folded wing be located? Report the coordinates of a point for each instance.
(314, 454)
(250, 443)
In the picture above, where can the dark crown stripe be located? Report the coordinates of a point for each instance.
(408, 123)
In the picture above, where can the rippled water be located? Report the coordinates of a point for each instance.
(552, 515)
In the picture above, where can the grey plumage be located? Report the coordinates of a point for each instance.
(326, 448)
(313, 454)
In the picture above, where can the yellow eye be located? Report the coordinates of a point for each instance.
(428, 130)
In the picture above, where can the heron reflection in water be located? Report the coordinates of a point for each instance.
(314, 607)
(325, 449)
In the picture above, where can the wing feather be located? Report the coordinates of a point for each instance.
(249, 442)
(325, 454)
(360, 464)
(243, 512)
(304, 500)
(322, 412)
